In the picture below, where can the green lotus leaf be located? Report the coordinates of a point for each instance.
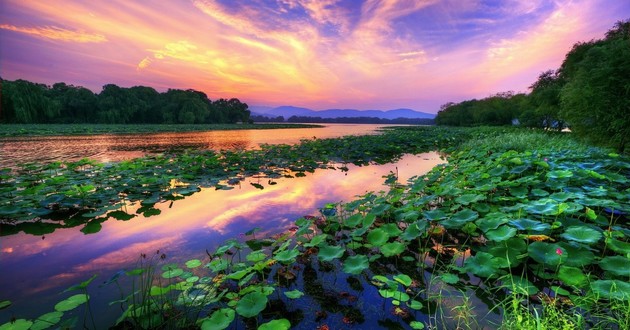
(281, 324)
(414, 304)
(403, 279)
(539, 192)
(316, 240)
(482, 264)
(571, 276)
(356, 264)
(19, 324)
(488, 223)
(219, 320)
(562, 196)
(71, 302)
(401, 296)
(433, 215)
(414, 230)
(559, 174)
(449, 278)
(294, 294)
(469, 198)
(391, 229)
(251, 304)
(256, 256)
(519, 191)
(611, 289)
(158, 290)
(460, 218)
(618, 246)
(287, 256)
(194, 263)
(353, 220)
(530, 225)
(377, 237)
(4, 304)
(582, 234)
(510, 251)
(192, 279)
(218, 265)
(580, 255)
(617, 265)
(501, 234)
(497, 171)
(46, 321)
(170, 273)
(330, 253)
(416, 325)
(392, 249)
(547, 253)
(545, 206)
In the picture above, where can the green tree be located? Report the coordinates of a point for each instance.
(545, 102)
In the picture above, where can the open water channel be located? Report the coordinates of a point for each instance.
(35, 269)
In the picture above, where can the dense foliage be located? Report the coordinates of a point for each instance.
(589, 93)
(532, 223)
(25, 102)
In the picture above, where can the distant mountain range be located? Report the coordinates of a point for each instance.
(288, 111)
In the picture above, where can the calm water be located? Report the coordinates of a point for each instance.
(116, 147)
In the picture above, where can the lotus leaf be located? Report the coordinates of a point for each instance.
(530, 225)
(71, 303)
(416, 325)
(482, 264)
(219, 320)
(434, 215)
(251, 304)
(582, 234)
(547, 253)
(19, 324)
(469, 198)
(377, 237)
(571, 276)
(414, 304)
(294, 294)
(330, 253)
(391, 229)
(392, 249)
(403, 279)
(539, 192)
(616, 265)
(287, 256)
(256, 256)
(559, 174)
(413, 230)
(353, 221)
(459, 219)
(194, 263)
(618, 246)
(218, 265)
(46, 321)
(501, 234)
(4, 304)
(170, 273)
(355, 264)
(281, 324)
(611, 289)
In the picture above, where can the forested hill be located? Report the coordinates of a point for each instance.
(26, 102)
(589, 93)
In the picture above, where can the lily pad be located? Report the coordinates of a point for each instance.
(469, 198)
(251, 304)
(330, 253)
(571, 276)
(219, 320)
(281, 324)
(46, 321)
(377, 237)
(19, 324)
(403, 279)
(392, 249)
(71, 303)
(356, 264)
(530, 225)
(617, 265)
(171, 273)
(460, 218)
(582, 234)
(287, 256)
(294, 294)
(611, 289)
(501, 234)
(482, 264)
(194, 263)
(547, 253)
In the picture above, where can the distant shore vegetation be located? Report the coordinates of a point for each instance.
(589, 94)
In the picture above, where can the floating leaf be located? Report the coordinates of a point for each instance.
(547, 253)
(611, 289)
(287, 256)
(355, 264)
(71, 302)
(170, 273)
(256, 256)
(433, 215)
(330, 253)
(501, 234)
(416, 324)
(46, 321)
(449, 278)
(579, 255)
(403, 279)
(251, 304)
(391, 229)
(582, 234)
(392, 249)
(460, 218)
(482, 264)
(571, 275)
(219, 320)
(530, 225)
(377, 237)
(281, 324)
(469, 198)
(4, 304)
(19, 324)
(194, 263)
(559, 174)
(294, 294)
(617, 265)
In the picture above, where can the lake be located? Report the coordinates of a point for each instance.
(37, 268)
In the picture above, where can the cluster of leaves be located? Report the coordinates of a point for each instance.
(26, 102)
(588, 93)
(87, 192)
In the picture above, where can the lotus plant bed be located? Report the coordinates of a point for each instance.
(519, 230)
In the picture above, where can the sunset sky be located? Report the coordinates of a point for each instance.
(366, 54)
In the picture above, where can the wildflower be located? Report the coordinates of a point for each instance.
(559, 251)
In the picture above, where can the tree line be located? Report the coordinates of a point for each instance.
(25, 102)
(360, 120)
(589, 93)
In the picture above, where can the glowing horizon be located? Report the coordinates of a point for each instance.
(370, 54)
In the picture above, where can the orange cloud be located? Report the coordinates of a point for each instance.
(56, 33)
